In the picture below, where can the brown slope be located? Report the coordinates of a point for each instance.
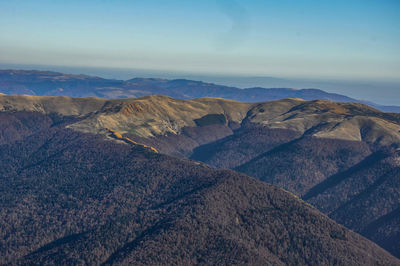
(346, 176)
(73, 198)
(301, 164)
(365, 198)
(385, 231)
(243, 145)
(18, 125)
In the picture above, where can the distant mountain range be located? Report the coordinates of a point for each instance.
(45, 83)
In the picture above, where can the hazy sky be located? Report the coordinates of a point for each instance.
(312, 38)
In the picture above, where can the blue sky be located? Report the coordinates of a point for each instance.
(297, 38)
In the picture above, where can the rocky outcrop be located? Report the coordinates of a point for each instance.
(119, 136)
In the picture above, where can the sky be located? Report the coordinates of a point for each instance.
(283, 38)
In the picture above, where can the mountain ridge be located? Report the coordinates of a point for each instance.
(155, 115)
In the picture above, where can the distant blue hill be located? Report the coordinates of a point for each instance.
(46, 83)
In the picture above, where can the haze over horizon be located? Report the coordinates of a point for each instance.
(383, 92)
(324, 39)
